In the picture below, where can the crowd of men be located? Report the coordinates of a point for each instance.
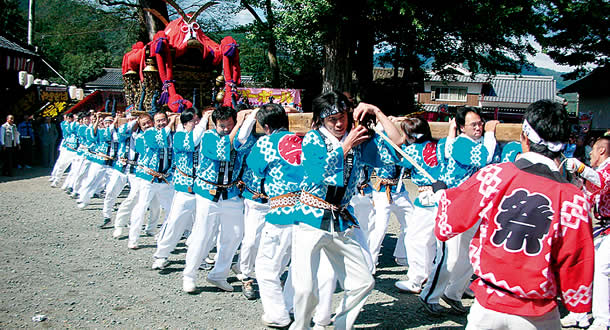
(503, 212)
(20, 141)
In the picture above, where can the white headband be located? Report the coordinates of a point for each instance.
(534, 137)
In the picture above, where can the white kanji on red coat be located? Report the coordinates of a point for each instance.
(582, 295)
(489, 182)
(574, 212)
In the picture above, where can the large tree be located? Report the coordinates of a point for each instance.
(577, 33)
(487, 35)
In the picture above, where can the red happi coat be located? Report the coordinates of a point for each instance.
(534, 239)
(600, 196)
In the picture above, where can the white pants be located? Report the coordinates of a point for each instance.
(402, 207)
(274, 252)
(364, 211)
(254, 220)
(601, 281)
(481, 318)
(92, 182)
(116, 182)
(147, 192)
(81, 175)
(348, 262)
(452, 269)
(123, 214)
(63, 161)
(420, 243)
(75, 165)
(225, 217)
(181, 217)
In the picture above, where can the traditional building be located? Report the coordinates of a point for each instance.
(502, 97)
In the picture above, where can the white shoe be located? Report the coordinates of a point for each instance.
(118, 232)
(407, 287)
(81, 205)
(598, 326)
(210, 260)
(188, 285)
(160, 263)
(578, 320)
(274, 324)
(132, 246)
(238, 273)
(221, 284)
(51, 179)
(401, 261)
(53, 184)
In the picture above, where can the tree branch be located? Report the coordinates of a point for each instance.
(253, 12)
(118, 3)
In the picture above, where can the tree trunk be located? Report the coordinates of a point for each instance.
(338, 56)
(364, 60)
(272, 48)
(149, 24)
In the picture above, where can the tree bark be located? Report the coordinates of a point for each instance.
(272, 47)
(338, 56)
(149, 24)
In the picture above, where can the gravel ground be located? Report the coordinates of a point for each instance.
(56, 262)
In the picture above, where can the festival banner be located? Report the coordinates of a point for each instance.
(283, 96)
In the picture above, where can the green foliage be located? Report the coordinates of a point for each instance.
(79, 39)
(13, 22)
(576, 33)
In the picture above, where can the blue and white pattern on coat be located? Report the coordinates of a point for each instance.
(184, 150)
(416, 151)
(281, 175)
(463, 158)
(155, 143)
(214, 150)
(510, 151)
(324, 168)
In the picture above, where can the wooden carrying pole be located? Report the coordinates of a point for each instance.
(300, 123)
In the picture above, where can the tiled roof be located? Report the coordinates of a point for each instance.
(521, 89)
(7, 44)
(112, 78)
(477, 78)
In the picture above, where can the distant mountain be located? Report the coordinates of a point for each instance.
(536, 71)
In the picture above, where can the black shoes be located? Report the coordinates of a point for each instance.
(431, 308)
(456, 305)
(248, 289)
(106, 221)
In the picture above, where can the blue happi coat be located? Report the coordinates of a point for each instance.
(510, 151)
(125, 137)
(276, 159)
(186, 153)
(216, 150)
(324, 166)
(426, 154)
(70, 139)
(156, 144)
(463, 157)
(102, 143)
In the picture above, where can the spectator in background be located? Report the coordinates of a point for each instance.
(48, 134)
(26, 142)
(9, 140)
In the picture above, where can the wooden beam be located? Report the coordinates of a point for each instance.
(300, 123)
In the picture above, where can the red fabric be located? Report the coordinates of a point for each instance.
(534, 272)
(178, 38)
(132, 59)
(600, 196)
(231, 68)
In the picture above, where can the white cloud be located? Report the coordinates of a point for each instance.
(542, 60)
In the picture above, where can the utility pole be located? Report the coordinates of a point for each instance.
(32, 4)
